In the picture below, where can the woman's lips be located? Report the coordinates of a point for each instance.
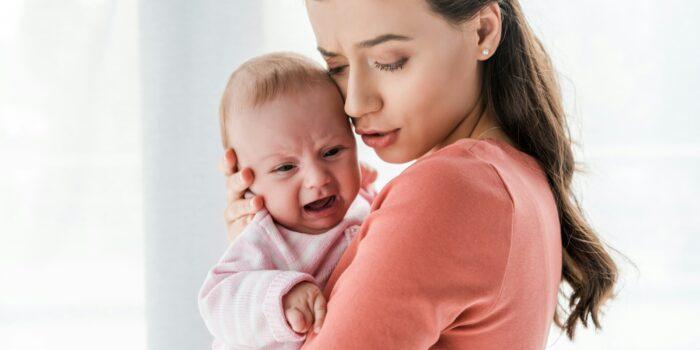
(379, 140)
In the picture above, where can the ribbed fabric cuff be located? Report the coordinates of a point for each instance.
(273, 308)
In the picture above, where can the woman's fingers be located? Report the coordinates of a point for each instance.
(238, 183)
(240, 211)
(235, 227)
(239, 214)
(227, 164)
(242, 207)
(319, 312)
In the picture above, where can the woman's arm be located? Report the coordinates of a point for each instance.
(436, 245)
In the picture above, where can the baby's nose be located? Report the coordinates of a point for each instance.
(317, 177)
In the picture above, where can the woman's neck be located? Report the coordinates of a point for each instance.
(480, 123)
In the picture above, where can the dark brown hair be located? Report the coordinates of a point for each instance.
(520, 83)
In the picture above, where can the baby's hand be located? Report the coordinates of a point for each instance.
(304, 305)
(367, 175)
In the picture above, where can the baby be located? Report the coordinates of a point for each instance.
(284, 117)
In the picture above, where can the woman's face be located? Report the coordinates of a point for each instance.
(408, 76)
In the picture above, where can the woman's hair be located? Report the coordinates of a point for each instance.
(264, 78)
(520, 84)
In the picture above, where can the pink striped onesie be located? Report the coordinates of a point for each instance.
(241, 299)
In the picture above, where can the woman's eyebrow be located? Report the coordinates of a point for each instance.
(382, 39)
(325, 53)
(368, 43)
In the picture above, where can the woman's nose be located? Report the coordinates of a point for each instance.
(361, 95)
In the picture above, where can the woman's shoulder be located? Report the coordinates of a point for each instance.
(457, 170)
(452, 203)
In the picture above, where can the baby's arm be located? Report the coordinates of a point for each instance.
(241, 299)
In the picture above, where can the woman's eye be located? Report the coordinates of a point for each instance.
(332, 152)
(336, 70)
(284, 168)
(391, 66)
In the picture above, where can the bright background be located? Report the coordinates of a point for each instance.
(111, 203)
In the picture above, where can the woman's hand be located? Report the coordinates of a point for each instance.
(239, 211)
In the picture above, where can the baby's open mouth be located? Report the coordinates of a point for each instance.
(320, 204)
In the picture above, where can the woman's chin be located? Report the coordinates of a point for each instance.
(395, 156)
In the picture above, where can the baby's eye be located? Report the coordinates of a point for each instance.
(332, 152)
(284, 168)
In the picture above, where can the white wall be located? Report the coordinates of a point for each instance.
(629, 72)
(188, 49)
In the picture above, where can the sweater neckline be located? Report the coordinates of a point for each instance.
(503, 145)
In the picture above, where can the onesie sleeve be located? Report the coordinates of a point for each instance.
(241, 298)
(435, 245)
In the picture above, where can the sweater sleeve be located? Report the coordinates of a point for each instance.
(435, 246)
(241, 298)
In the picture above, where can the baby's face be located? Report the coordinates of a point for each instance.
(302, 151)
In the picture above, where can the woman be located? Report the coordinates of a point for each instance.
(467, 248)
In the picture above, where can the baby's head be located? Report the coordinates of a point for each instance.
(284, 117)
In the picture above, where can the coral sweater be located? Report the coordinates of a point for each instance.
(460, 251)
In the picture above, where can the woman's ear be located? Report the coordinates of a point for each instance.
(488, 29)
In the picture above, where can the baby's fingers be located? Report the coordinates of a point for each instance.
(296, 320)
(367, 174)
(299, 320)
(319, 312)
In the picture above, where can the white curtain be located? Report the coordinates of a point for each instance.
(71, 208)
(111, 203)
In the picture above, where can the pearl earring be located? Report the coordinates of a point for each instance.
(485, 52)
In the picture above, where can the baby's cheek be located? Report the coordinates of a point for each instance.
(349, 181)
(283, 205)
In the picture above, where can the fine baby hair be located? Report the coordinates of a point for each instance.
(263, 78)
